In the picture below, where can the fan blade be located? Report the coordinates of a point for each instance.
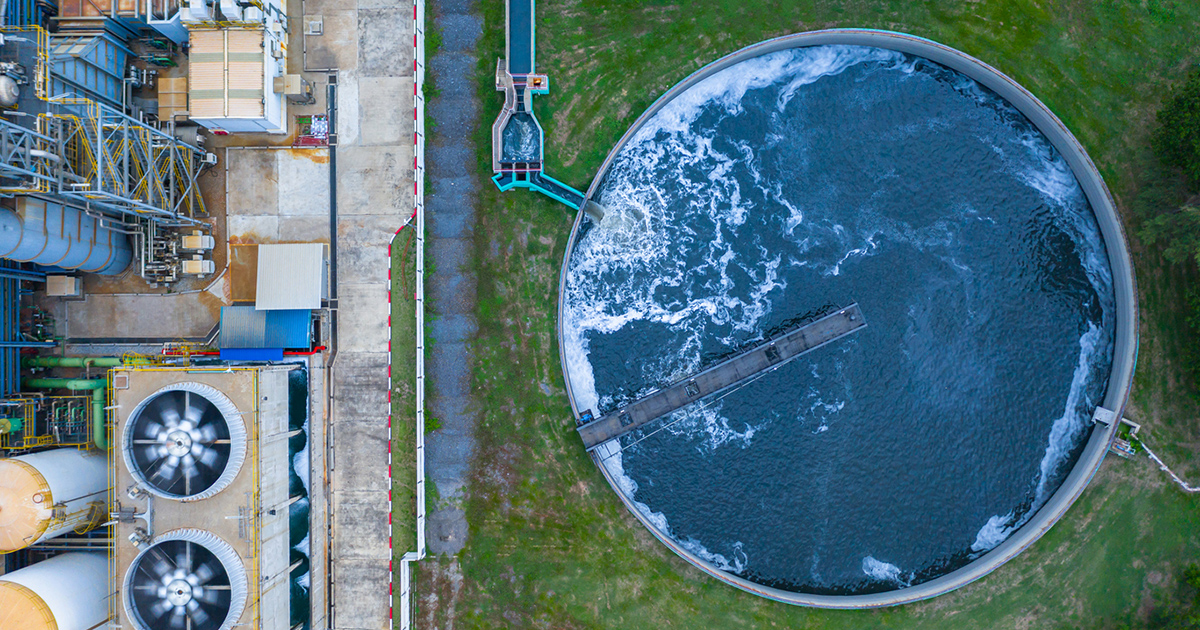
(197, 613)
(206, 595)
(151, 429)
(170, 418)
(162, 565)
(208, 456)
(166, 472)
(178, 617)
(208, 433)
(160, 608)
(203, 574)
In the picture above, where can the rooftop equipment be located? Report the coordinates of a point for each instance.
(187, 579)
(187, 442)
(82, 153)
(66, 592)
(217, 554)
(132, 16)
(89, 66)
(231, 80)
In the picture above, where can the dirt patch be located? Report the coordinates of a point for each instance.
(440, 585)
(317, 157)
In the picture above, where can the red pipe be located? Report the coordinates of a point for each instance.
(213, 353)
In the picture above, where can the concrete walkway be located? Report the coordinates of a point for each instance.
(370, 45)
(450, 167)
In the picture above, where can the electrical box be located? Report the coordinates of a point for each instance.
(172, 97)
(63, 286)
(295, 88)
(198, 266)
(197, 240)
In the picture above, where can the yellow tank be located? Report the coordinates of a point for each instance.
(20, 607)
(47, 494)
(66, 592)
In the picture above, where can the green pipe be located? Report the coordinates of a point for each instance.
(83, 362)
(11, 425)
(97, 385)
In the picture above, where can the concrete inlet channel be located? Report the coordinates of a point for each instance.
(1107, 414)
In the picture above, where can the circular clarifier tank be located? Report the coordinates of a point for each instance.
(983, 249)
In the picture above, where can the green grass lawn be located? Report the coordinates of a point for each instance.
(404, 400)
(550, 544)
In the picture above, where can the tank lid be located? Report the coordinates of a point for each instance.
(26, 506)
(21, 608)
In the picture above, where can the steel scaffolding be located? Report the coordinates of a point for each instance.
(96, 156)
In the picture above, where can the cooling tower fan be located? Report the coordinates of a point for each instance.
(186, 442)
(187, 580)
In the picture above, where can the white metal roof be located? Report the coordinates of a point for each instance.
(290, 276)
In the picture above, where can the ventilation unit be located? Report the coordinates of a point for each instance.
(186, 441)
(187, 579)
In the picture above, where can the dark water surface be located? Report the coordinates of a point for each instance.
(832, 175)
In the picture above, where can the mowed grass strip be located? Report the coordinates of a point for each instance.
(404, 399)
(551, 546)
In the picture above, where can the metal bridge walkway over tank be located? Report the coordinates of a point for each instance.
(518, 150)
(732, 372)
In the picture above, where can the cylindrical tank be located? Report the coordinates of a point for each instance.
(55, 235)
(67, 592)
(43, 495)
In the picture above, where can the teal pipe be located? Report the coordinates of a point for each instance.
(96, 385)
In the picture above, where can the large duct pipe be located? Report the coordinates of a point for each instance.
(96, 385)
(47, 494)
(55, 235)
(66, 592)
(79, 362)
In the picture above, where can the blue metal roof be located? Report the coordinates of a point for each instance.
(246, 327)
(252, 354)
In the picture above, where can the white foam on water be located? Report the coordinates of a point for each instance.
(994, 532)
(1072, 422)
(305, 581)
(1063, 434)
(300, 462)
(736, 566)
(610, 456)
(1051, 176)
(645, 228)
(727, 87)
(885, 572)
(708, 422)
(303, 545)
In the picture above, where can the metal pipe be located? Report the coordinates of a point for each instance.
(31, 362)
(96, 385)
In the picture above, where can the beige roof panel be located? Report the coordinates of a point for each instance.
(290, 276)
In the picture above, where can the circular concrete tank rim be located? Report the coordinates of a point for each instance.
(1124, 286)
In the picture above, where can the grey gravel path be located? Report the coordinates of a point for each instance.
(450, 216)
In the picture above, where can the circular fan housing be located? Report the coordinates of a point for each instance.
(188, 579)
(186, 441)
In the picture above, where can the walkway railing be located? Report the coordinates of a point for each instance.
(1187, 487)
(404, 620)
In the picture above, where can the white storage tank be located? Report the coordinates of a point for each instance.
(67, 592)
(43, 495)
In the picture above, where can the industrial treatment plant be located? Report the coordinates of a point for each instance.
(199, 203)
(194, 363)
